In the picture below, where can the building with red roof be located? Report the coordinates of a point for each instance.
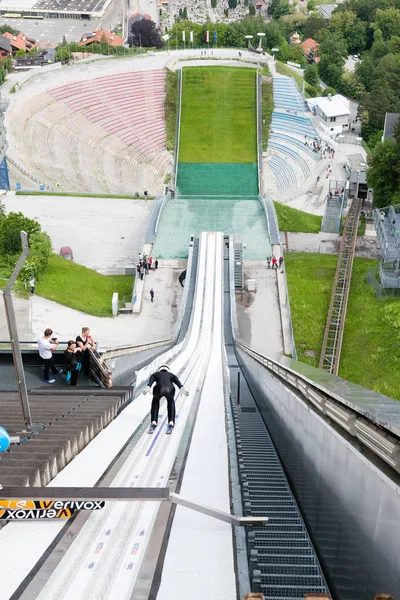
(310, 50)
(20, 42)
(99, 36)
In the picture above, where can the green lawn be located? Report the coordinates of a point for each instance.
(218, 115)
(283, 69)
(310, 280)
(371, 349)
(81, 288)
(291, 219)
(370, 352)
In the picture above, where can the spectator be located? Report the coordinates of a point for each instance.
(145, 194)
(382, 216)
(32, 284)
(152, 294)
(269, 261)
(72, 364)
(137, 195)
(86, 345)
(156, 263)
(274, 263)
(46, 349)
(150, 261)
(280, 261)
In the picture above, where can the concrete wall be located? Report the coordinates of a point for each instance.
(352, 509)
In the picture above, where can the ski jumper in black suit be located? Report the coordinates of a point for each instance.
(164, 381)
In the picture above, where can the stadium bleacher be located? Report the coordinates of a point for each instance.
(290, 158)
(100, 135)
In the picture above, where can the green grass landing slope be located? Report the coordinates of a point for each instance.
(218, 115)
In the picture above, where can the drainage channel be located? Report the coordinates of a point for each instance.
(282, 561)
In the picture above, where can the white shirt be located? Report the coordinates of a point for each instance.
(44, 348)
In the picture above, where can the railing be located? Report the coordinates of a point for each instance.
(332, 342)
(25, 172)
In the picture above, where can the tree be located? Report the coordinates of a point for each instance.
(351, 86)
(279, 8)
(357, 37)
(381, 176)
(388, 21)
(232, 3)
(311, 5)
(252, 9)
(213, 3)
(332, 51)
(9, 29)
(41, 250)
(311, 75)
(185, 13)
(146, 34)
(314, 26)
(10, 228)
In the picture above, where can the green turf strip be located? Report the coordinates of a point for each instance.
(218, 115)
(217, 179)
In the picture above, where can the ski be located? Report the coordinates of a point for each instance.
(169, 430)
(152, 428)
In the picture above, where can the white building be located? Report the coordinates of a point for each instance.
(333, 113)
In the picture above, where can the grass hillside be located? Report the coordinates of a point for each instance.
(294, 220)
(370, 351)
(76, 286)
(218, 117)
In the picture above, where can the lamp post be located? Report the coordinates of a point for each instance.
(261, 36)
(274, 51)
(249, 38)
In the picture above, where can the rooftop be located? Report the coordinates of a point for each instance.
(99, 36)
(326, 10)
(331, 106)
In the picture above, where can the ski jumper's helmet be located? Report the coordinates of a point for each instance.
(164, 368)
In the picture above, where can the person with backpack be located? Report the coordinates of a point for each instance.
(163, 381)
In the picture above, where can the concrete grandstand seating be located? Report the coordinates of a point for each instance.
(101, 135)
(291, 161)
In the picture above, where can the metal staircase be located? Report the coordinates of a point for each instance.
(332, 343)
(238, 267)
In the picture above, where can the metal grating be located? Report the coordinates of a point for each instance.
(332, 343)
(282, 561)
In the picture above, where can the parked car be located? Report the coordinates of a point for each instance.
(66, 252)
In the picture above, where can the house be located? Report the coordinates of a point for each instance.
(310, 50)
(333, 113)
(99, 36)
(20, 42)
(391, 120)
(5, 46)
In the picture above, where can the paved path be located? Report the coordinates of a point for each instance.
(328, 243)
(105, 234)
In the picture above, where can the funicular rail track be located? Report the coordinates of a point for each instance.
(333, 336)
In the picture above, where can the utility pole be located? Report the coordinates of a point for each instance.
(13, 331)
